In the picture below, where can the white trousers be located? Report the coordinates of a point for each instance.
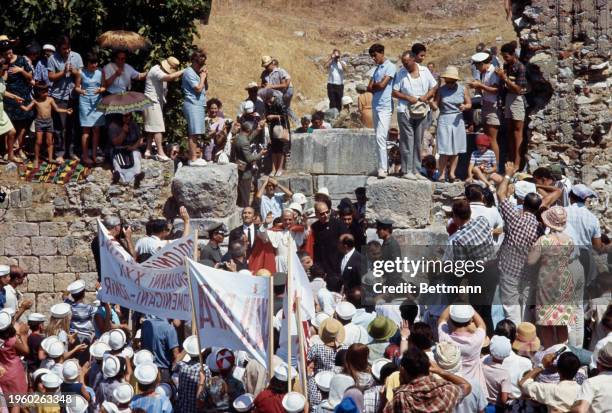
(382, 121)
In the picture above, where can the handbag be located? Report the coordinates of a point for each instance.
(418, 110)
(124, 158)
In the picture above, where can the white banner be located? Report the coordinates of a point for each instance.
(232, 310)
(159, 286)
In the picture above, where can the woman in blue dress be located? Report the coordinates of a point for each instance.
(90, 86)
(452, 99)
(194, 85)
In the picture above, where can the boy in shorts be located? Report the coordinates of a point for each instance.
(45, 105)
(483, 164)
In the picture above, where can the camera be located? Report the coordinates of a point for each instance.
(2, 196)
(229, 123)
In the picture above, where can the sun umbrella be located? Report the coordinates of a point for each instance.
(123, 40)
(124, 103)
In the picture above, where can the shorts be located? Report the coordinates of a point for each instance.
(514, 107)
(44, 125)
(490, 113)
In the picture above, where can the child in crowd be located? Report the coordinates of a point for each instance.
(429, 169)
(483, 164)
(45, 106)
(496, 377)
(305, 125)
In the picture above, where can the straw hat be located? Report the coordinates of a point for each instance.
(451, 72)
(170, 65)
(381, 328)
(555, 218)
(265, 60)
(331, 331)
(526, 338)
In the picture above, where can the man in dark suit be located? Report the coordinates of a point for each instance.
(352, 265)
(390, 249)
(246, 232)
(244, 159)
(326, 231)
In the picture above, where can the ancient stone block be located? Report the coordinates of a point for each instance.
(65, 245)
(40, 283)
(54, 265)
(8, 260)
(23, 229)
(44, 301)
(40, 213)
(340, 186)
(17, 246)
(29, 264)
(44, 245)
(90, 278)
(334, 151)
(61, 281)
(207, 191)
(15, 214)
(78, 263)
(53, 229)
(407, 203)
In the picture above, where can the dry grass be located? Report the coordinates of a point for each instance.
(240, 32)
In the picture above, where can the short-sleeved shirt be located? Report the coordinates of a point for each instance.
(189, 81)
(582, 225)
(516, 366)
(273, 204)
(560, 396)
(122, 83)
(406, 84)
(517, 73)
(101, 311)
(487, 158)
(382, 98)
(489, 78)
(275, 77)
(497, 378)
(211, 252)
(82, 318)
(155, 88)
(159, 337)
(41, 74)
(62, 88)
(335, 72)
(596, 391)
(151, 403)
(469, 344)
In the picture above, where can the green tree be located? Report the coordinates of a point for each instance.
(170, 25)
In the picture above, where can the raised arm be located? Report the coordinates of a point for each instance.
(502, 189)
(262, 188)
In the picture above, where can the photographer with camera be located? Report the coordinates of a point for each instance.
(335, 79)
(245, 157)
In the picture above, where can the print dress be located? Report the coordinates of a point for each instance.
(88, 114)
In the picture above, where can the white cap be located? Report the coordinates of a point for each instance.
(49, 47)
(522, 188)
(500, 347)
(127, 352)
(60, 310)
(110, 407)
(70, 370)
(6, 320)
(377, 366)
(461, 313)
(480, 57)
(78, 404)
(4, 270)
(123, 393)
(347, 100)
(191, 346)
(105, 337)
(36, 317)
(323, 379)
(296, 207)
(281, 372)
(51, 381)
(345, 310)
(244, 402)
(9, 310)
(116, 339)
(98, 349)
(110, 366)
(55, 349)
(319, 318)
(76, 287)
(143, 357)
(146, 373)
(323, 190)
(294, 402)
(46, 342)
(249, 106)
(39, 372)
(299, 198)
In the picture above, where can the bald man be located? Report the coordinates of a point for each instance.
(326, 231)
(247, 231)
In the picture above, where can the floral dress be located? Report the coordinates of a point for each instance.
(556, 283)
(20, 86)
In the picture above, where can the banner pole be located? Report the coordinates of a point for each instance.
(302, 358)
(194, 328)
(289, 293)
(270, 326)
(196, 253)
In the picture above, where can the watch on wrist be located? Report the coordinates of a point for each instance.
(507, 177)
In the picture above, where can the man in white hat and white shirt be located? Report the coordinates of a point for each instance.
(354, 333)
(41, 74)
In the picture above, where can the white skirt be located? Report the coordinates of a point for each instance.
(154, 119)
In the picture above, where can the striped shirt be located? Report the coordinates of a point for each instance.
(487, 158)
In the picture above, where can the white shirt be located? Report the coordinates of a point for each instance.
(335, 72)
(560, 396)
(328, 300)
(12, 297)
(492, 215)
(516, 366)
(122, 83)
(280, 240)
(596, 391)
(155, 88)
(582, 225)
(410, 86)
(150, 245)
(346, 259)
(491, 79)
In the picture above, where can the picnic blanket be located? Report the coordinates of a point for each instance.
(69, 171)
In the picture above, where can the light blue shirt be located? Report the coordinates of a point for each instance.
(188, 83)
(159, 337)
(382, 98)
(156, 403)
(274, 205)
(582, 225)
(62, 88)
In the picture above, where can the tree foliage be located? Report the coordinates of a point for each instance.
(170, 25)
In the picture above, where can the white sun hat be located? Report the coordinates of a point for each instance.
(110, 366)
(294, 402)
(76, 287)
(377, 366)
(146, 373)
(51, 381)
(282, 371)
(60, 310)
(55, 349)
(143, 357)
(191, 346)
(116, 339)
(345, 310)
(78, 404)
(70, 370)
(123, 393)
(244, 402)
(323, 380)
(98, 349)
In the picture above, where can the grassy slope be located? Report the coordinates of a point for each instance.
(240, 32)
